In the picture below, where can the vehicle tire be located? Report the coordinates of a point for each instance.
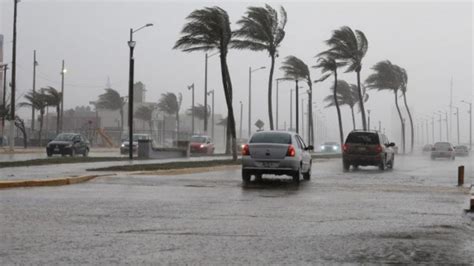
(390, 165)
(86, 153)
(258, 177)
(307, 175)
(49, 154)
(245, 176)
(73, 152)
(355, 166)
(345, 166)
(382, 165)
(297, 176)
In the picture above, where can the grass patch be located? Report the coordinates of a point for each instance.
(61, 160)
(167, 166)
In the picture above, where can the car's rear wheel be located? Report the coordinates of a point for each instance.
(382, 164)
(345, 166)
(307, 175)
(391, 163)
(246, 176)
(297, 176)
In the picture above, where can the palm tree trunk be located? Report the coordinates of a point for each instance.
(270, 80)
(228, 97)
(411, 122)
(401, 120)
(353, 118)
(58, 111)
(339, 118)
(361, 102)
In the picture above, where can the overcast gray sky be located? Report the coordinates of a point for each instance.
(432, 41)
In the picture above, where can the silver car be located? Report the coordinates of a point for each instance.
(278, 153)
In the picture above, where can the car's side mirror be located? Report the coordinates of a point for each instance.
(391, 144)
(309, 148)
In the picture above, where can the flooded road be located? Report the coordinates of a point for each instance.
(412, 214)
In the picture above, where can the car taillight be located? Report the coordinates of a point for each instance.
(378, 148)
(245, 150)
(345, 147)
(291, 151)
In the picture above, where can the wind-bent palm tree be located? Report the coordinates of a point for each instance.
(296, 69)
(262, 29)
(145, 113)
(387, 77)
(200, 111)
(54, 99)
(329, 67)
(38, 101)
(111, 100)
(403, 87)
(209, 29)
(170, 104)
(350, 48)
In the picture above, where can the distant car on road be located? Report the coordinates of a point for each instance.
(443, 150)
(461, 150)
(201, 144)
(278, 153)
(367, 148)
(330, 147)
(68, 144)
(125, 147)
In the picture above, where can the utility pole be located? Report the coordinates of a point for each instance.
(291, 109)
(35, 64)
(457, 118)
(191, 87)
(450, 111)
(470, 123)
(205, 95)
(63, 71)
(296, 109)
(212, 119)
(368, 119)
(240, 130)
(13, 80)
(4, 97)
(302, 118)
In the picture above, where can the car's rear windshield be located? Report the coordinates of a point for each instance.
(65, 137)
(363, 138)
(198, 139)
(271, 137)
(442, 145)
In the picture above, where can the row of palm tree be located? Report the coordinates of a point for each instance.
(40, 100)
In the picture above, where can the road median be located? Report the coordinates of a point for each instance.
(46, 182)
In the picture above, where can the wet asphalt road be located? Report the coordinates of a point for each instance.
(412, 214)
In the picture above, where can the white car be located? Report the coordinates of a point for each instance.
(278, 153)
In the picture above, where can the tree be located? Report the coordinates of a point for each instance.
(209, 29)
(347, 95)
(111, 100)
(54, 99)
(349, 47)
(39, 101)
(386, 77)
(262, 29)
(200, 111)
(145, 113)
(295, 68)
(170, 104)
(329, 67)
(403, 76)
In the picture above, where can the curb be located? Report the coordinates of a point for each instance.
(46, 182)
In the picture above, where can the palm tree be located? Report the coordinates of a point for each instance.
(111, 100)
(296, 69)
(329, 67)
(170, 104)
(199, 111)
(350, 48)
(145, 113)
(209, 29)
(262, 29)
(387, 77)
(54, 99)
(403, 87)
(38, 101)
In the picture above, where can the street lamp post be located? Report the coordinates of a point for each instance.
(470, 123)
(131, 45)
(291, 109)
(457, 120)
(63, 71)
(35, 64)
(191, 87)
(302, 118)
(432, 128)
(4, 96)
(13, 80)
(240, 130)
(212, 119)
(440, 133)
(277, 94)
(205, 88)
(250, 97)
(368, 119)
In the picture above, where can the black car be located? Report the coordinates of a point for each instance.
(367, 148)
(68, 144)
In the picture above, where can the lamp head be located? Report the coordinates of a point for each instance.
(131, 44)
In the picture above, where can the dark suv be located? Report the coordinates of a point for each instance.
(367, 148)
